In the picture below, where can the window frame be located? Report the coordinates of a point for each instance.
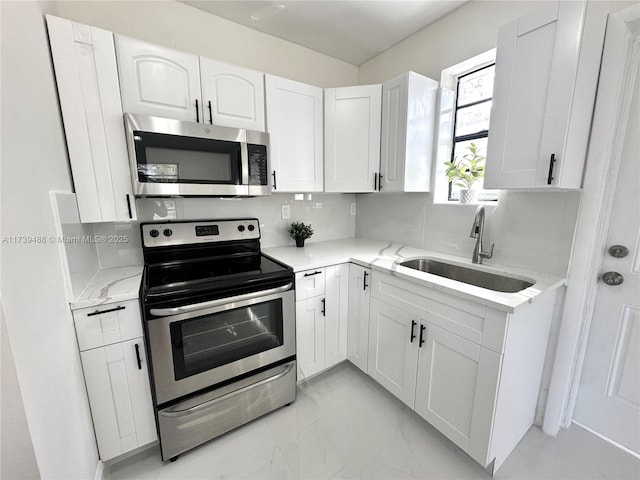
(470, 136)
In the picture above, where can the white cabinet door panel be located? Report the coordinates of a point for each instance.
(337, 311)
(310, 336)
(158, 81)
(87, 80)
(295, 125)
(358, 324)
(120, 397)
(456, 389)
(236, 95)
(393, 350)
(352, 137)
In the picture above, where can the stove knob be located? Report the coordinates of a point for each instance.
(251, 228)
(167, 232)
(154, 233)
(241, 228)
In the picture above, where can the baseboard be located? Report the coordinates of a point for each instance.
(608, 440)
(102, 471)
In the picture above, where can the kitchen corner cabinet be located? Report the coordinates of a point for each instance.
(321, 318)
(116, 376)
(87, 79)
(358, 323)
(407, 139)
(471, 371)
(294, 124)
(546, 77)
(168, 83)
(352, 138)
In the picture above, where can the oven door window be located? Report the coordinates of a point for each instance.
(165, 158)
(207, 342)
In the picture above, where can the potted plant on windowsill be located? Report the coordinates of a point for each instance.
(464, 171)
(300, 232)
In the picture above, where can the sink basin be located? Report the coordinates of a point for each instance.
(479, 278)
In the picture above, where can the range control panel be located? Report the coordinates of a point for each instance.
(164, 234)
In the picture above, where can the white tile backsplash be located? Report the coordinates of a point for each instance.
(329, 213)
(531, 230)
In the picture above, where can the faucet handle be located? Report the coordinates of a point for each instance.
(488, 254)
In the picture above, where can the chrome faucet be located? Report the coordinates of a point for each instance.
(477, 231)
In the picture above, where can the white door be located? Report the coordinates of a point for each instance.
(232, 96)
(294, 123)
(352, 118)
(337, 309)
(358, 324)
(393, 350)
(158, 81)
(608, 399)
(310, 336)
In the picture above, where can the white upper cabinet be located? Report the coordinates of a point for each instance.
(352, 138)
(294, 123)
(87, 79)
(232, 96)
(159, 81)
(408, 119)
(544, 92)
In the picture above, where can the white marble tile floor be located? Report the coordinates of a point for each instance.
(344, 425)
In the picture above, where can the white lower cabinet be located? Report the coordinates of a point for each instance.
(116, 375)
(471, 371)
(321, 318)
(358, 317)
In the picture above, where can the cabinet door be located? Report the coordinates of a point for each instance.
(352, 137)
(294, 122)
(541, 109)
(393, 350)
(158, 81)
(310, 320)
(337, 311)
(358, 324)
(119, 396)
(406, 145)
(232, 96)
(456, 389)
(87, 80)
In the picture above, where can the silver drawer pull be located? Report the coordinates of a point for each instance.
(163, 312)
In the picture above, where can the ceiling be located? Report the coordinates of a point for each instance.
(352, 31)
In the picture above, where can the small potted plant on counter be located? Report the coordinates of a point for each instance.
(300, 232)
(464, 171)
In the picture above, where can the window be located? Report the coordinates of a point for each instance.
(465, 109)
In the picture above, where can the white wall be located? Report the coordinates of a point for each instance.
(41, 333)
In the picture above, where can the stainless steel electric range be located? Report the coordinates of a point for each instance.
(219, 321)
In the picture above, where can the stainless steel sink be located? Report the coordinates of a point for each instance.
(491, 281)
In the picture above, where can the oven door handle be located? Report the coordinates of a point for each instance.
(164, 312)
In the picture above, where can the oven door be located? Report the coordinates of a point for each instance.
(198, 346)
(169, 157)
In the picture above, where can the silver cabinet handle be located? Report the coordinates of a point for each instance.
(164, 312)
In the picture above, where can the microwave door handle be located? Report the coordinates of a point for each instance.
(244, 163)
(164, 312)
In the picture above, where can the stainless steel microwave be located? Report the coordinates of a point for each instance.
(175, 158)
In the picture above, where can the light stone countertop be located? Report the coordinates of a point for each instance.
(110, 285)
(385, 257)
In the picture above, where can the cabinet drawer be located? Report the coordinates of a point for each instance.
(107, 324)
(467, 319)
(310, 283)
